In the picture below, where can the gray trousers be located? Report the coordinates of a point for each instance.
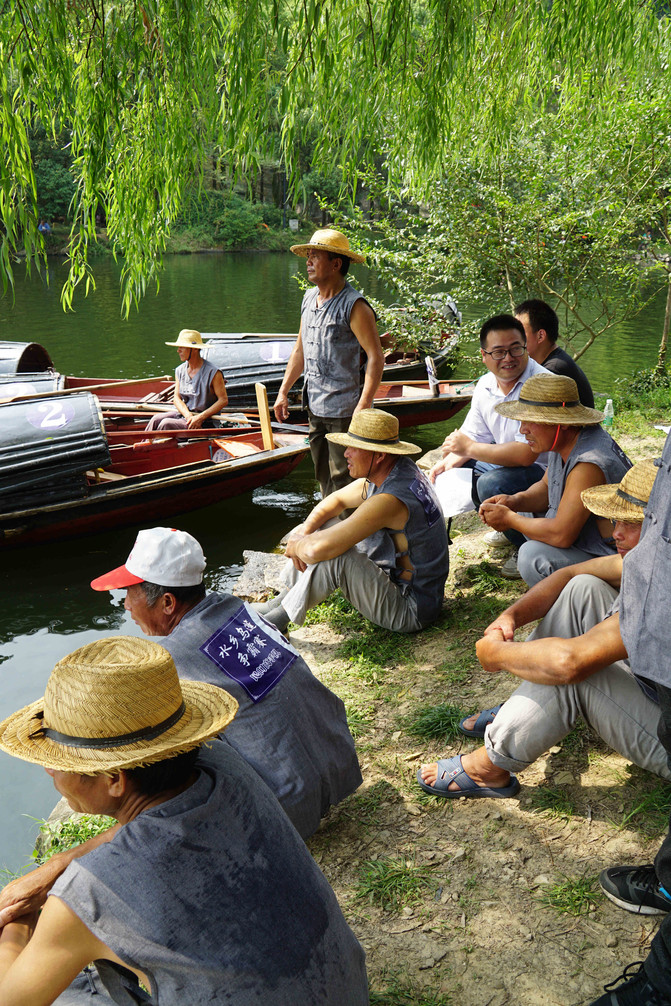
(329, 459)
(363, 583)
(536, 560)
(536, 717)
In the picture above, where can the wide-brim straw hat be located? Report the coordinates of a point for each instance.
(188, 338)
(550, 398)
(331, 241)
(627, 500)
(374, 430)
(114, 704)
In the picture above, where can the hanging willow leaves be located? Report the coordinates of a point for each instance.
(143, 90)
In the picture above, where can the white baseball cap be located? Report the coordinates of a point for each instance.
(160, 555)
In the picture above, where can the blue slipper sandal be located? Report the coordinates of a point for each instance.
(450, 770)
(486, 717)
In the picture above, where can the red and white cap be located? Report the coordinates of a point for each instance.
(160, 555)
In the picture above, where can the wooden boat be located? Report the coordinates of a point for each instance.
(415, 403)
(63, 475)
(249, 357)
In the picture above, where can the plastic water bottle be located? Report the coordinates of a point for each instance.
(608, 413)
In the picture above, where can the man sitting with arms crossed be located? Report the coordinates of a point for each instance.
(577, 675)
(289, 726)
(389, 557)
(203, 891)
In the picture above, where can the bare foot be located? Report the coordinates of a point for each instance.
(476, 765)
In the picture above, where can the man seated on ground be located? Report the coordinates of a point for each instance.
(572, 666)
(582, 454)
(541, 326)
(487, 442)
(204, 891)
(200, 389)
(289, 726)
(389, 557)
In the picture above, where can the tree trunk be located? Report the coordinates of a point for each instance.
(661, 358)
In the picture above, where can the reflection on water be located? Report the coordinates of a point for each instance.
(49, 609)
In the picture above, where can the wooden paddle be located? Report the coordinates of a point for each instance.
(264, 417)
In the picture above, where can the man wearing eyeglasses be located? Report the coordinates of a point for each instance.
(490, 445)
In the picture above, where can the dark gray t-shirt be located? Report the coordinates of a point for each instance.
(559, 362)
(214, 896)
(289, 726)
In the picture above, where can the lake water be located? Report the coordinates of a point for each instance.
(48, 607)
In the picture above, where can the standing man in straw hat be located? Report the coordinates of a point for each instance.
(200, 389)
(389, 557)
(205, 893)
(339, 351)
(581, 455)
(571, 666)
(289, 726)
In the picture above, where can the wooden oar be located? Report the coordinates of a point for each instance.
(264, 417)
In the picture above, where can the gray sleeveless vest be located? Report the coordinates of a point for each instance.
(426, 534)
(332, 354)
(216, 899)
(196, 391)
(596, 447)
(289, 726)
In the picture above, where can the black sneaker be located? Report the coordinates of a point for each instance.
(636, 889)
(636, 991)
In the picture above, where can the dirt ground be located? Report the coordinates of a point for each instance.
(459, 901)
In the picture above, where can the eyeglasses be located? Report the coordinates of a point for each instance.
(500, 354)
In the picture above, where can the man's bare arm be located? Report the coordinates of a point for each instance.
(363, 324)
(555, 661)
(511, 454)
(380, 510)
(28, 893)
(295, 366)
(537, 602)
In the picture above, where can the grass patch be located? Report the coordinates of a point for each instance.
(553, 801)
(358, 719)
(648, 812)
(572, 896)
(485, 578)
(365, 807)
(392, 883)
(398, 991)
(372, 651)
(439, 722)
(64, 835)
(336, 612)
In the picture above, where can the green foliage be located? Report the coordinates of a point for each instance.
(650, 388)
(337, 612)
(647, 812)
(55, 189)
(572, 896)
(552, 801)
(398, 991)
(439, 722)
(73, 831)
(145, 94)
(392, 883)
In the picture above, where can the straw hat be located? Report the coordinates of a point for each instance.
(626, 501)
(550, 398)
(374, 430)
(331, 241)
(188, 338)
(115, 704)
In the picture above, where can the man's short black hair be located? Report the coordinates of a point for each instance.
(185, 595)
(541, 315)
(344, 261)
(503, 323)
(170, 773)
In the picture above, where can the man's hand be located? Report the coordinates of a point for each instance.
(194, 422)
(281, 408)
(28, 893)
(437, 470)
(488, 651)
(496, 515)
(503, 626)
(457, 443)
(293, 541)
